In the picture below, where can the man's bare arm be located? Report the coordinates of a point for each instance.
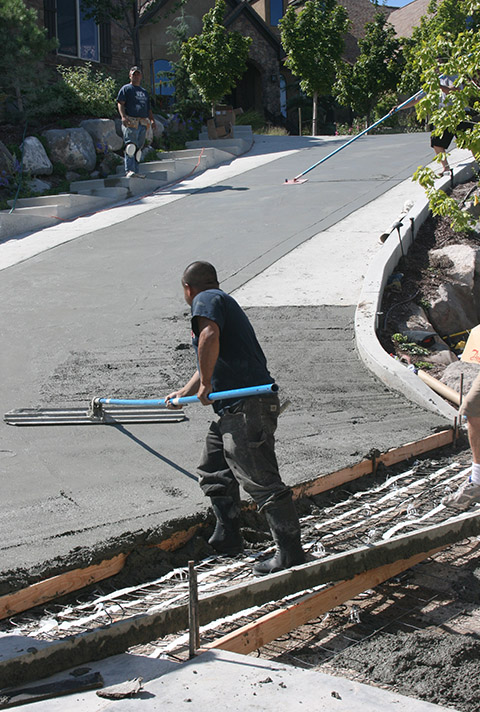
(208, 351)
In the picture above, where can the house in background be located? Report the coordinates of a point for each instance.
(258, 88)
(266, 85)
(81, 40)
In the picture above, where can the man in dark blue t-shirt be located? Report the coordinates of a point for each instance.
(133, 104)
(240, 445)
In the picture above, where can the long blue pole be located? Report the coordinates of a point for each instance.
(362, 133)
(219, 395)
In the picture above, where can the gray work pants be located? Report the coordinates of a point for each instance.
(240, 450)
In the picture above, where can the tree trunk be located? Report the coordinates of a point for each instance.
(314, 114)
(135, 35)
(18, 94)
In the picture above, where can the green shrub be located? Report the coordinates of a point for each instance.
(251, 118)
(93, 91)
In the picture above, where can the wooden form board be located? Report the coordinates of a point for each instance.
(57, 586)
(117, 637)
(273, 625)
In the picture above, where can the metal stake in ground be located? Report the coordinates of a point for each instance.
(193, 623)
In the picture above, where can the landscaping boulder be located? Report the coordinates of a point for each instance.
(452, 309)
(452, 375)
(35, 159)
(72, 147)
(38, 186)
(103, 133)
(456, 306)
(158, 129)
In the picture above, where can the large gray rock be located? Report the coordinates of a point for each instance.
(103, 133)
(35, 159)
(72, 147)
(456, 305)
(453, 373)
(452, 309)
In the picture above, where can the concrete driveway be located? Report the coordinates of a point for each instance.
(103, 314)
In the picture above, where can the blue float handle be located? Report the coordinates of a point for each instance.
(219, 395)
(369, 128)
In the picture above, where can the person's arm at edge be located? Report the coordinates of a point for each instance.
(121, 111)
(189, 389)
(208, 351)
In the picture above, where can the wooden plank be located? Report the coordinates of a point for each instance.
(419, 447)
(273, 625)
(57, 586)
(178, 539)
(117, 637)
(334, 479)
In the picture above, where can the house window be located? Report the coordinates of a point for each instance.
(276, 11)
(164, 79)
(77, 36)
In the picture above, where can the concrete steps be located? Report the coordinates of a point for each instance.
(86, 196)
(234, 146)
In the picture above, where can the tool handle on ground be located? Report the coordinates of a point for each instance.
(362, 133)
(219, 395)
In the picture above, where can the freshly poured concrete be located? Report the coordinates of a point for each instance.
(103, 314)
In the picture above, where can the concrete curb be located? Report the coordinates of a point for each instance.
(367, 314)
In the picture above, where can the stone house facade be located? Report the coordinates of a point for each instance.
(259, 87)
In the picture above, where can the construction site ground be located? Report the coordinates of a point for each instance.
(339, 414)
(416, 634)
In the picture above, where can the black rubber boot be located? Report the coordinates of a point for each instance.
(226, 538)
(283, 521)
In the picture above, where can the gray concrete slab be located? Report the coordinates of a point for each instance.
(104, 315)
(229, 682)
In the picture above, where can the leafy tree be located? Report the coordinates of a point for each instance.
(444, 17)
(215, 59)
(129, 15)
(376, 71)
(187, 97)
(461, 58)
(23, 43)
(313, 42)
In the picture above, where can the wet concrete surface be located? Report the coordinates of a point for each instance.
(104, 315)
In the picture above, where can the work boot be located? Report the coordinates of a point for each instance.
(283, 521)
(226, 538)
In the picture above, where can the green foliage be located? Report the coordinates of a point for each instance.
(313, 42)
(424, 303)
(425, 365)
(442, 204)
(187, 97)
(453, 35)
(407, 346)
(252, 118)
(91, 91)
(24, 44)
(376, 71)
(215, 59)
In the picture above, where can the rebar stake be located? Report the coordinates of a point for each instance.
(193, 627)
